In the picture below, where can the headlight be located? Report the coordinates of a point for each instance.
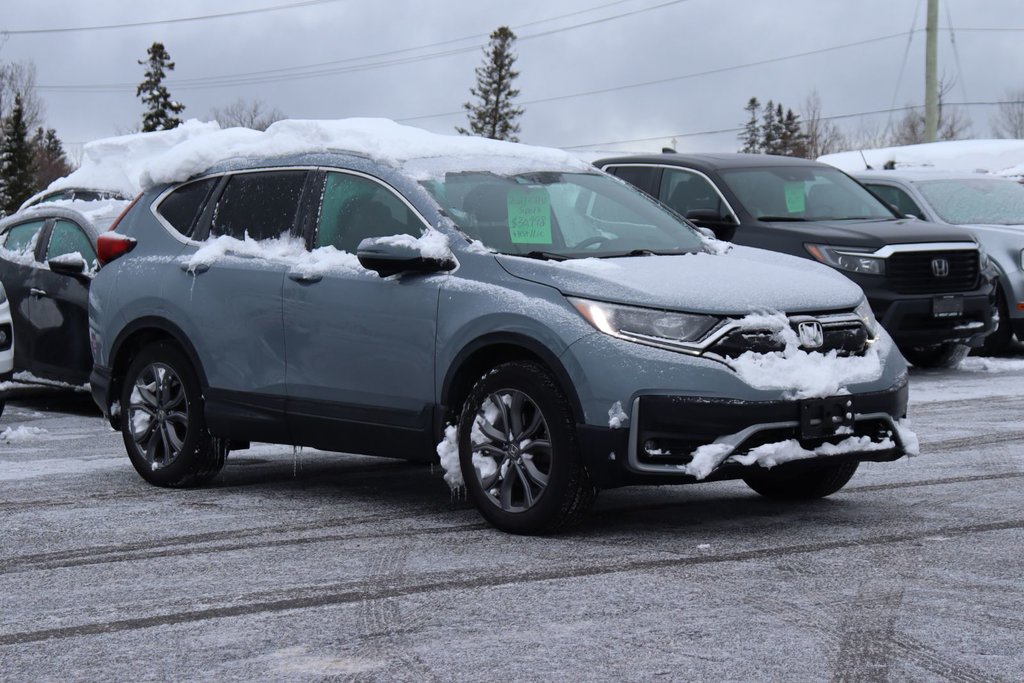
(850, 259)
(3, 294)
(644, 325)
(867, 317)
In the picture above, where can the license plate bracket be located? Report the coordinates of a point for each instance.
(821, 417)
(949, 306)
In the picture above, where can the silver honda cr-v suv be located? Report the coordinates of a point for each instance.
(542, 327)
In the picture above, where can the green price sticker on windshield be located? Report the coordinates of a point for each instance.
(529, 215)
(795, 197)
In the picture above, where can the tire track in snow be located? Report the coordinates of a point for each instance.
(348, 593)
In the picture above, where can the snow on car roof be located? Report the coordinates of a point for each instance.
(1000, 157)
(132, 163)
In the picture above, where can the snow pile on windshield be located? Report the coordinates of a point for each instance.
(1003, 157)
(802, 374)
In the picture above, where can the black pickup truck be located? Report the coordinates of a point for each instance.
(929, 285)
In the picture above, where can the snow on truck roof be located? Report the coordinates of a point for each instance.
(132, 163)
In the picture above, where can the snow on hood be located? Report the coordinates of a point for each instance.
(132, 163)
(737, 282)
(1002, 157)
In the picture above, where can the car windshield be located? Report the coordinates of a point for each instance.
(991, 201)
(803, 193)
(560, 215)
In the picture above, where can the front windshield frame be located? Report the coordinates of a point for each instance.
(946, 197)
(803, 193)
(560, 215)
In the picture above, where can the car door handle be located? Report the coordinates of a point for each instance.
(37, 292)
(305, 278)
(196, 269)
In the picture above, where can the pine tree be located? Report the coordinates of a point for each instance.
(794, 140)
(494, 116)
(161, 109)
(751, 135)
(769, 130)
(16, 160)
(50, 160)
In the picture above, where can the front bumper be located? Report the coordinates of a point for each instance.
(664, 431)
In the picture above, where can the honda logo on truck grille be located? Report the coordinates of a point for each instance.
(811, 335)
(940, 267)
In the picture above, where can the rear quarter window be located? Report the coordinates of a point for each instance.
(262, 205)
(182, 207)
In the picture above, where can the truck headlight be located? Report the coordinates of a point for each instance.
(867, 316)
(644, 325)
(850, 259)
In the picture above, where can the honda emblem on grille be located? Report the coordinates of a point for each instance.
(811, 335)
(940, 267)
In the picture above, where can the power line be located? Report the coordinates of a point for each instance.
(835, 117)
(301, 72)
(158, 22)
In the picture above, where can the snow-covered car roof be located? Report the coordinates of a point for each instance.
(133, 163)
(916, 173)
(999, 157)
(96, 215)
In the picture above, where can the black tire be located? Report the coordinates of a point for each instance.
(998, 342)
(162, 420)
(809, 484)
(2, 402)
(946, 355)
(539, 484)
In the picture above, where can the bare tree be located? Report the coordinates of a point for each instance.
(953, 123)
(246, 114)
(822, 137)
(1009, 120)
(18, 80)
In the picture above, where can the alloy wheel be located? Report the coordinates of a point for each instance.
(158, 414)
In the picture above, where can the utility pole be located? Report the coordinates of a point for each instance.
(931, 77)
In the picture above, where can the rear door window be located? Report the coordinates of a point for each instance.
(641, 177)
(182, 207)
(898, 198)
(21, 239)
(261, 205)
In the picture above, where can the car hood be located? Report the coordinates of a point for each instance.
(743, 280)
(1013, 230)
(872, 233)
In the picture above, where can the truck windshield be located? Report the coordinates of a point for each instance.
(560, 215)
(803, 193)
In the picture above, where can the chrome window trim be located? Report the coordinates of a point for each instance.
(683, 169)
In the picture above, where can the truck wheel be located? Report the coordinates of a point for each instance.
(803, 485)
(518, 451)
(163, 425)
(941, 356)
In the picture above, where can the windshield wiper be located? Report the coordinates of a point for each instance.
(782, 219)
(544, 255)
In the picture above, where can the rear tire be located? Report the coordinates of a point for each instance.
(163, 426)
(527, 476)
(803, 485)
(946, 355)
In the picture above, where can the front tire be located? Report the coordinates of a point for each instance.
(802, 485)
(162, 424)
(946, 355)
(518, 451)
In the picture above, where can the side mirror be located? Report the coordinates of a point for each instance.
(401, 254)
(723, 226)
(68, 264)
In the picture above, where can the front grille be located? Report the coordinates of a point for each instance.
(845, 337)
(913, 272)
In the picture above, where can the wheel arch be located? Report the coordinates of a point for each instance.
(137, 335)
(484, 353)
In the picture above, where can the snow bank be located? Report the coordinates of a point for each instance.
(1003, 157)
(985, 364)
(21, 434)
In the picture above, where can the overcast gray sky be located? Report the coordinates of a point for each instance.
(413, 61)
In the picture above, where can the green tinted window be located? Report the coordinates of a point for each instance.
(22, 238)
(356, 208)
(68, 238)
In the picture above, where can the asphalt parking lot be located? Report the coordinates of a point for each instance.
(312, 566)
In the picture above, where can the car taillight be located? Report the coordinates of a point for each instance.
(111, 245)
